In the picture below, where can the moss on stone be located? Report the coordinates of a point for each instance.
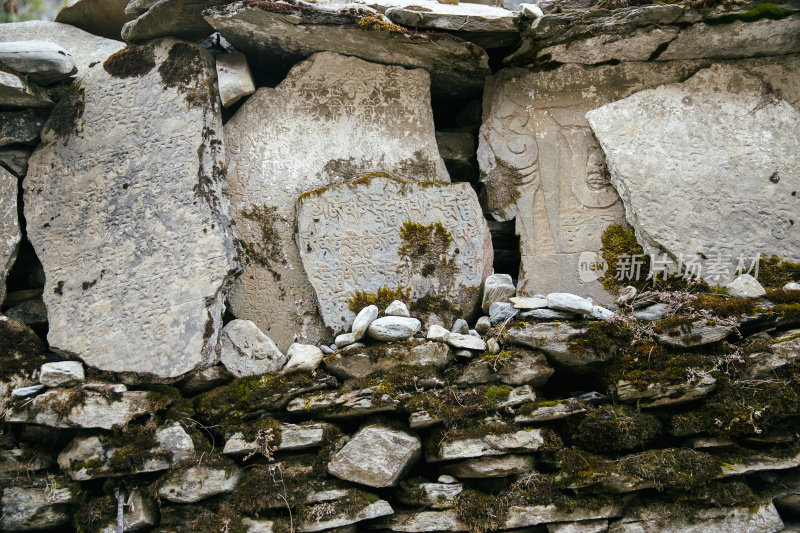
(481, 512)
(130, 62)
(774, 272)
(65, 117)
(680, 468)
(94, 515)
(378, 23)
(21, 350)
(425, 250)
(266, 250)
(381, 298)
(762, 11)
(186, 70)
(614, 429)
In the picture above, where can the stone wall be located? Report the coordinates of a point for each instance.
(256, 268)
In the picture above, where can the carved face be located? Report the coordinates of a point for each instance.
(597, 178)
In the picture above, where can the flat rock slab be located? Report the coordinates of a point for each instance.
(738, 177)
(293, 437)
(117, 233)
(525, 516)
(543, 168)
(99, 17)
(83, 47)
(59, 408)
(9, 227)
(429, 239)
(163, 18)
(198, 482)
(379, 120)
(524, 440)
(340, 520)
(464, 17)
(762, 519)
(486, 467)
(413, 522)
(35, 508)
(376, 456)
(16, 91)
(285, 34)
(173, 445)
(41, 61)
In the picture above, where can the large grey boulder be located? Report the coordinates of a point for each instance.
(16, 92)
(736, 178)
(364, 235)
(35, 508)
(41, 61)
(98, 17)
(83, 47)
(377, 121)
(9, 227)
(90, 457)
(246, 351)
(542, 166)
(196, 482)
(117, 237)
(283, 33)
(22, 127)
(376, 456)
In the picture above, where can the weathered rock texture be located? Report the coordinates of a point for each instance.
(542, 165)
(160, 18)
(136, 240)
(9, 227)
(333, 118)
(427, 238)
(99, 17)
(664, 153)
(282, 33)
(84, 47)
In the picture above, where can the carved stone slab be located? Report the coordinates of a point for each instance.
(708, 169)
(428, 238)
(126, 213)
(333, 118)
(542, 165)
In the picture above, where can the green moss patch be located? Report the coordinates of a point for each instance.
(21, 350)
(130, 62)
(614, 429)
(186, 70)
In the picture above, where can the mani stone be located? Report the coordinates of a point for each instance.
(737, 177)
(542, 166)
(350, 118)
(83, 47)
(9, 227)
(119, 232)
(246, 351)
(376, 456)
(429, 238)
(42, 62)
(98, 17)
(284, 34)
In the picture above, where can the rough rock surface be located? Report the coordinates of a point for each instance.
(35, 508)
(524, 440)
(173, 445)
(762, 519)
(42, 62)
(94, 410)
(16, 92)
(234, 78)
(487, 467)
(541, 165)
(98, 17)
(61, 374)
(22, 127)
(393, 328)
(9, 227)
(148, 208)
(370, 512)
(553, 338)
(198, 482)
(302, 358)
(246, 351)
(741, 197)
(497, 288)
(377, 120)
(413, 522)
(385, 232)
(83, 47)
(176, 18)
(281, 33)
(376, 456)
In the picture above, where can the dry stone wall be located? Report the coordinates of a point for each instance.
(266, 279)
